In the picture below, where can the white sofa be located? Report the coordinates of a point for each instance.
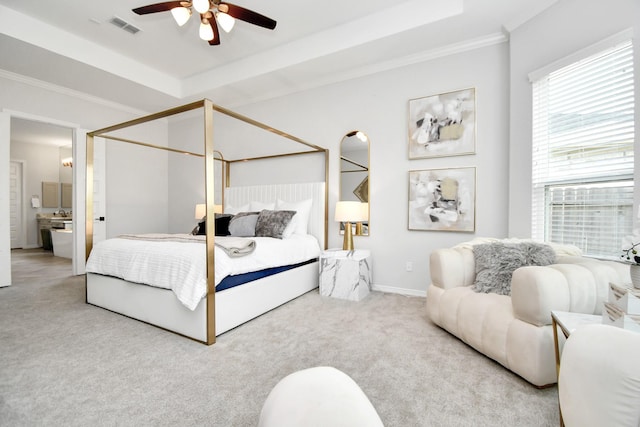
(516, 330)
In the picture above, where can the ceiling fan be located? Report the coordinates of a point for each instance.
(210, 11)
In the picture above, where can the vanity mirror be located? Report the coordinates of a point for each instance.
(354, 175)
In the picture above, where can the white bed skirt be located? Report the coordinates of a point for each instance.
(234, 306)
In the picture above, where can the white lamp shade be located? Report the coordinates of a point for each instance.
(201, 211)
(181, 15)
(206, 32)
(202, 6)
(225, 21)
(365, 211)
(347, 211)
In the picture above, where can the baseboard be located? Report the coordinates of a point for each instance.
(401, 291)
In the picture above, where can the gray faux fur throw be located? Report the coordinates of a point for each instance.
(496, 262)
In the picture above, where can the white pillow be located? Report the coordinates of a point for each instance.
(291, 227)
(300, 221)
(228, 209)
(259, 206)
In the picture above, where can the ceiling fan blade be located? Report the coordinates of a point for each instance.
(158, 7)
(216, 33)
(249, 16)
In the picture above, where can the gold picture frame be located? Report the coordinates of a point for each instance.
(442, 199)
(443, 124)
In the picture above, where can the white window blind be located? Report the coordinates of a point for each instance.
(583, 136)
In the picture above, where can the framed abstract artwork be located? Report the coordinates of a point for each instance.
(443, 124)
(442, 199)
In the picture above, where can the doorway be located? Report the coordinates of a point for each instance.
(41, 145)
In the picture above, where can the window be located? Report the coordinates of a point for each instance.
(583, 135)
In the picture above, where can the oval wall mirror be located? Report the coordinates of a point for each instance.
(354, 176)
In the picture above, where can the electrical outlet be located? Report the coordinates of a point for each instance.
(409, 266)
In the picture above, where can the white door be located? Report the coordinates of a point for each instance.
(16, 209)
(79, 196)
(99, 190)
(5, 235)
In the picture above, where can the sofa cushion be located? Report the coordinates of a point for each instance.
(496, 262)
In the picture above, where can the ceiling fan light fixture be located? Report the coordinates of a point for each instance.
(226, 21)
(181, 15)
(206, 32)
(202, 6)
(211, 13)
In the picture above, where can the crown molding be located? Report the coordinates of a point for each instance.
(405, 61)
(19, 78)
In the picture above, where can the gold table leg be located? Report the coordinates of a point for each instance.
(556, 345)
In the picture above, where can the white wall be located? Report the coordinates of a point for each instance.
(378, 105)
(186, 173)
(137, 181)
(567, 27)
(235, 140)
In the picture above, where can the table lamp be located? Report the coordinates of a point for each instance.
(201, 210)
(365, 217)
(349, 212)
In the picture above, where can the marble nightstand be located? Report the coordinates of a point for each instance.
(345, 274)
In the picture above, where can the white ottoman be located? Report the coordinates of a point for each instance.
(321, 396)
(599, 383)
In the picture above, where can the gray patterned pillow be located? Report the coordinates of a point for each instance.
(496, 262)
(243, 224)
(272, 223)
(538, 253)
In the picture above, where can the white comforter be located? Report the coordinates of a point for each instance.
(181, 265)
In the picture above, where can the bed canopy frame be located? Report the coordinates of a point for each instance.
(210, 156)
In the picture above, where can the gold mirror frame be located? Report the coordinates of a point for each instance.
(354, 175)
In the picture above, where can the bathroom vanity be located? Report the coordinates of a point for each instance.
(47, 223)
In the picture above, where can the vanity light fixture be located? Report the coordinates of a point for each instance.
(67, 162)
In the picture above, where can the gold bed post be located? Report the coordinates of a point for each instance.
(326, 198)
(210, 225)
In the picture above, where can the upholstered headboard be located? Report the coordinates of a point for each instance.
(239, 196)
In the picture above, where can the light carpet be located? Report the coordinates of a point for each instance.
(63, 362)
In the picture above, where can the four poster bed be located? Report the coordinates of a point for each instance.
(204, 285)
